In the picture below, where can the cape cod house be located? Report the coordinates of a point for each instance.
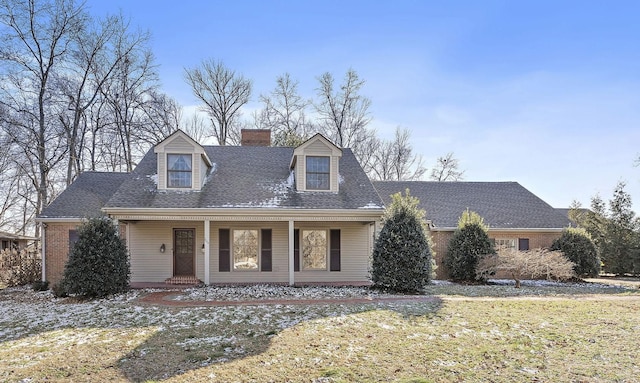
(228, 214)
(262, 214)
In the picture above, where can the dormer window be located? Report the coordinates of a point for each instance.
(318, 172)
(179, 174)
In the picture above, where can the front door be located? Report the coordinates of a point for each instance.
(183, 251)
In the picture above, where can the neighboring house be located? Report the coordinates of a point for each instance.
(517, 218)
(228, 214)
(13, 241)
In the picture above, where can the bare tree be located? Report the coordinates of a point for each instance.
(284, 113)
(395, 160)
(446, 169)
(35, 40)
(223, 93)
(96, 53)
(344, 113)
(196, 128)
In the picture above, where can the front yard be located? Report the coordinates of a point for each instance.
(581, 333)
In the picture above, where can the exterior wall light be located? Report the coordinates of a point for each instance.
(162, 248)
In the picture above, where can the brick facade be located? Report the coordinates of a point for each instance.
(57, 248)
(441, 243)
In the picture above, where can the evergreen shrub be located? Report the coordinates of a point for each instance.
(98, 265)
(402, 255)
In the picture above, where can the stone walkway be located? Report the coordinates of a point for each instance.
(166, 298)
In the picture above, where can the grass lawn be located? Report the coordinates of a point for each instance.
(466, 334)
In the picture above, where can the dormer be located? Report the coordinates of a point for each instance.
(316, 164)
(182, 163)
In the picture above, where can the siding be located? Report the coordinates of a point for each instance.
(162, 171)
(179, 145)
(148, 264)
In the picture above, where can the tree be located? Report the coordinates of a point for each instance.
(620, 244)
(36, 39)
(402, 255)
(469, 217)
(98, 265)
(468, 245)
(223, 93)
(577, 246)
(446, 169)
(283, 112)
(394, 160)
(533, 264)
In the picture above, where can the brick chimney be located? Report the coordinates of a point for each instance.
(255, 137)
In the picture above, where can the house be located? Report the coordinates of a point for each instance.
(517, 218)
(228, 214)
(14, 241)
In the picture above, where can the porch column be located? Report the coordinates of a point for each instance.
(207, 232)
(291, 264)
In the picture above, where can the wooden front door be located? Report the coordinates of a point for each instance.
(183, 251)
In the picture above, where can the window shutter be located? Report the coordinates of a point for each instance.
(224, 251)
(296, 250)
(265, 252)
(523, 244)
(334, 250)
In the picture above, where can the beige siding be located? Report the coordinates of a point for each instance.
(300, 172)
(354, 254)
(334, 180)
(317, 148)
(355, 251)
(148, 264)
(179, 144)
(162, 171)
(280, 262)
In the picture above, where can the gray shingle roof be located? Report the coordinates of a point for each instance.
(85, 196)
(503, 205)
(246, 177)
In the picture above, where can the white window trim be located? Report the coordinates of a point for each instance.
(306, 171)
(326, 256)
(168, 170)
(514, 240)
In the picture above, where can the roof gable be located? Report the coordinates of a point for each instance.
(180, 141)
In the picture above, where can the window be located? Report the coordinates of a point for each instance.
(179, 170)
(505, 245)
(314, 249)
(245, 249)
(318, 173)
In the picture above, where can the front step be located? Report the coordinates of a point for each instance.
(183, 280)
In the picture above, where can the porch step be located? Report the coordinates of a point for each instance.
(183, 280)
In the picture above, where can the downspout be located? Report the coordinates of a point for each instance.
(43, 246)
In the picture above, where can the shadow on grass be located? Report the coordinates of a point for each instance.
(217, 335)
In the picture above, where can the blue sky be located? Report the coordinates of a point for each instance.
(545, 93)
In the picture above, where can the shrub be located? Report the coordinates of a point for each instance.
(402, 255)
(532, 264)
(577, 246)
(466, 248)
(98, 264)
(40, 286)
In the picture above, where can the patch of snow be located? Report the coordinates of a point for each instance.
(371, 205)
(340, 179)
(153, 178)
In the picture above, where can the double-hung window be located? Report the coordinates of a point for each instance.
(314, 249)
(179, 172)
(245, 249)
(505, 245)
(318, 173)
